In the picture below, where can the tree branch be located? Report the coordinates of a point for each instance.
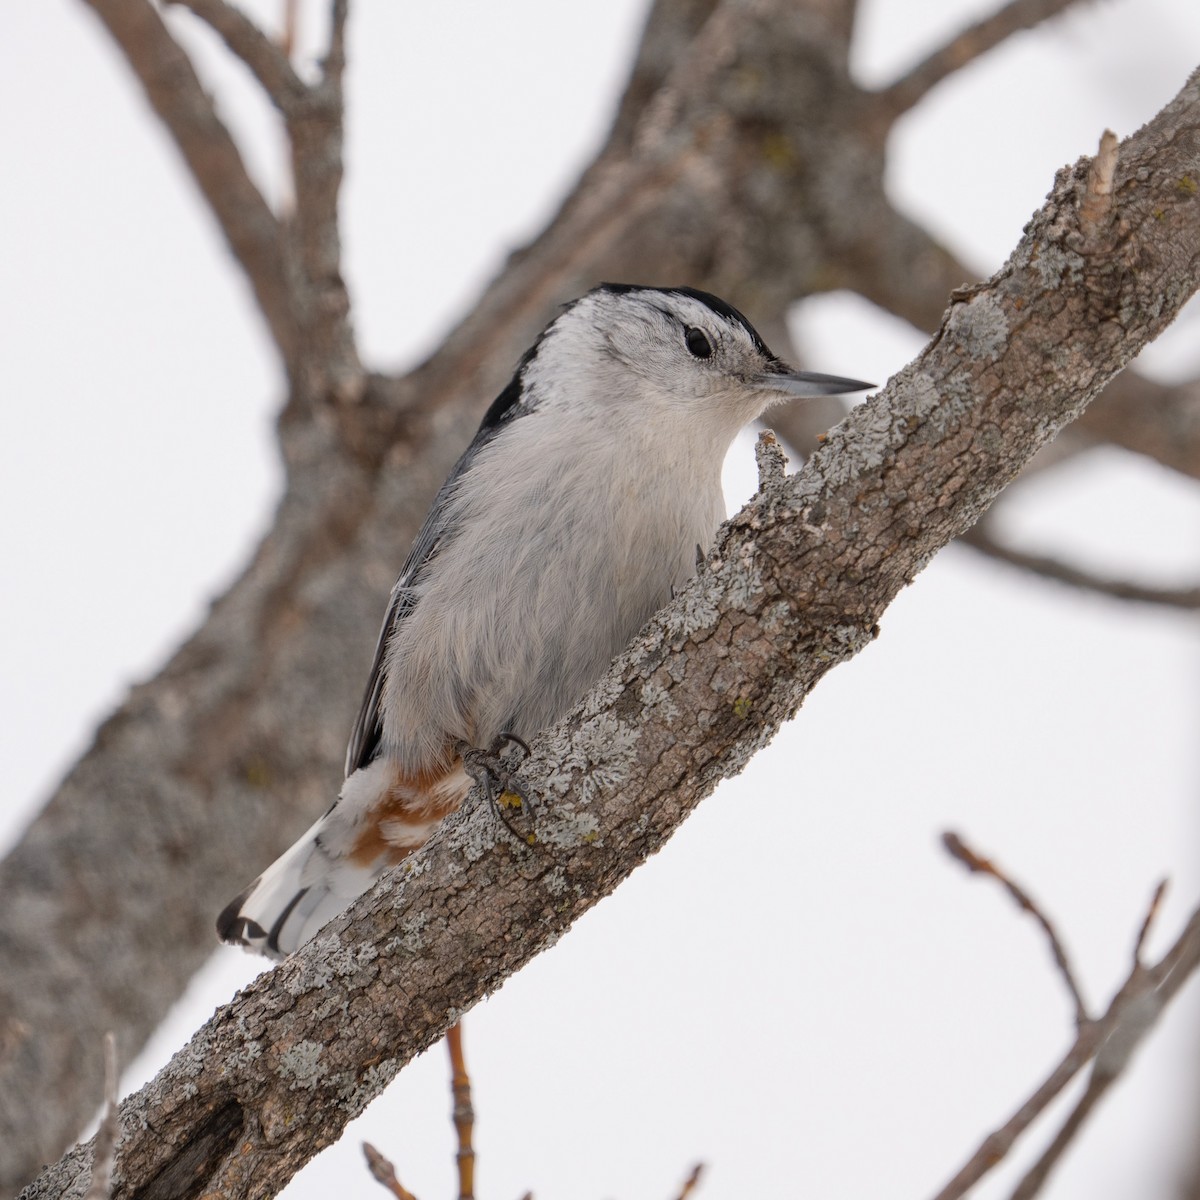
(1158, 420)
(294, 268)
(796, 584)
(178, 98)
(383, 1172)
(971, 43)
(669, 32)
(1110, 1040)
(977, 864)
(330, 367)
(901, 267)
(334, 64)
(267, 62)
(980, 538)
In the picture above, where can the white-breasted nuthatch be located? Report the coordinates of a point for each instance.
(571, 518)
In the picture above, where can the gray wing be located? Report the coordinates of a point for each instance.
(368, 729)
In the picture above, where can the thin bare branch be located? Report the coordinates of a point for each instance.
(691, 1182)
(1111, 1040)
(976, 40)
(315, 128)
(979, 537)
(976, 863)
(1140, 1009)
(291, 25)
(770, 460)
(110, 1127)
(997, 1144)
(334, 63)
(1175, 967)
(178, 97)
(463, 1112)
(1159, 420)
(267, 61)
(1151, 913)
(308, 308)
(384, 1173)
(1031, 1183)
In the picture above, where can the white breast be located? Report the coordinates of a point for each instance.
(568, 537)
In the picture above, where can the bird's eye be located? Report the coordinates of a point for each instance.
(696, 342)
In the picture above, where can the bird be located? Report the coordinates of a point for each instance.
(582, 505)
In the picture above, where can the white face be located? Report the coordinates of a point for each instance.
(685, 356)
(680, 348)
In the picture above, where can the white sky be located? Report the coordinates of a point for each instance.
(801, 990)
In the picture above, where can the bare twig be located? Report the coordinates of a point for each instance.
(1031, 1182)
(463, 1112)
(1159, 420)
(1111, 1039)
(178, 97)
(979, 537)
(267, 61)
(295, 269)
(976, 863)
(334, 63)
(1138, 1010)
(691, 1182)
(897, 98)
(383, 1172)
(291, 25)
(770, 459)
(1151, 913)
(1096, 207)
(315, 128)
(997, 1144)
(104, 1150)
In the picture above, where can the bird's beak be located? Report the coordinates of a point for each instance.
(779, 377)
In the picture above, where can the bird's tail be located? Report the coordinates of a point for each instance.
(290, 901)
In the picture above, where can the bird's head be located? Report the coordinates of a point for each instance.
(672, 350)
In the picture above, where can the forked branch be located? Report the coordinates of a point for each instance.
(293, 262)
(1108, 1041)
(178, 97)
(266, 60)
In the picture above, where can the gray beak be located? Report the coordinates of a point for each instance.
(779, 377)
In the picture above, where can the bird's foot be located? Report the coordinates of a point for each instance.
(508, 795)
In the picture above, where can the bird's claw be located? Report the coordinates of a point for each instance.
(491, 772)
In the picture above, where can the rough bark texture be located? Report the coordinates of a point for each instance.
(795, 585)
(743, 159)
